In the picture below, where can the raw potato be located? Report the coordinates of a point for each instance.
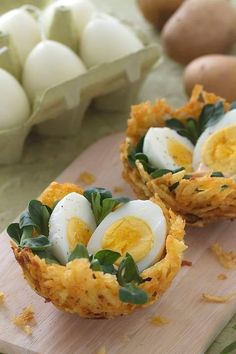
(217, 73)
(158, 11)
(198, 28)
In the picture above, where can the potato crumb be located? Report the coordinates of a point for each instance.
(118, 189)
(87, 178)
(226, 259)
(218, 299)
(159, 320)
(187, 263)
(2, 296)
(222, 276)
(102, 350)
(24, 318)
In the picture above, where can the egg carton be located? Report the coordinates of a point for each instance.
(60, 110)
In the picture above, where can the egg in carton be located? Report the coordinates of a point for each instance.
(98, 272)
(186, 156)
(58, 85)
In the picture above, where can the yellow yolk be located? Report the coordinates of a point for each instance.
(77, 232)
(219, 151)
(181, 155)
(130, 235)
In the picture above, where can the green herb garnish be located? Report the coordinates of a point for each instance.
(102, 202)
(80, 251)
(32, 230)
(47, 255)
(192, 129)
(188, 130)
(222, 188)
(38, 243)
(133, 295)
(15, 232)
(107, 257)
(128, 271)
(173, 186)
(95, 265)
(217, 174)
(128, 277)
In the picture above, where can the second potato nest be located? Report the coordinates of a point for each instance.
(201, 195)
(77, 287)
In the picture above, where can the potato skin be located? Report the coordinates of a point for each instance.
(216, 73)
(158, 12)
(200, 27)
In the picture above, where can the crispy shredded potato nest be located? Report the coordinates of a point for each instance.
(76, 288)
(198, 209)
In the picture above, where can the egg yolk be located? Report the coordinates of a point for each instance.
(77, 232)
(129, 234)
(181, 155)
(219, 151)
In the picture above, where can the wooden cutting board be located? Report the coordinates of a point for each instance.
(193, 323)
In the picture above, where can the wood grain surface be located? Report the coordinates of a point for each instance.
(193, 324)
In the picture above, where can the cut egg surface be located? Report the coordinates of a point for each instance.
(138, 227)
(216, 146)
(167, 149)
(72, 222)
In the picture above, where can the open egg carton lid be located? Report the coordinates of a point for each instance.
(60, 109)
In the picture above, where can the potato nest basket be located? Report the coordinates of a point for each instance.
(76, 288)
(200, 197)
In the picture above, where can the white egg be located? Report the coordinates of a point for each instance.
(72, 222)
(14, 104)
(105, 39)
(82, 11)
(138, 227)
(222, 147)
(23, 29)
(167, 149)
(49, 64)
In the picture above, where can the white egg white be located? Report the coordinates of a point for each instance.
(155, 147)
(105, 39)
(71, 206)
(227, 120)
(147, 211)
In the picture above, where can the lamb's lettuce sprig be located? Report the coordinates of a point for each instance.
(102, 202)
(33, 229)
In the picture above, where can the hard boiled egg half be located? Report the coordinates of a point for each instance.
(216, 147)
(72, 222)
(138, 227)
(167, 149)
